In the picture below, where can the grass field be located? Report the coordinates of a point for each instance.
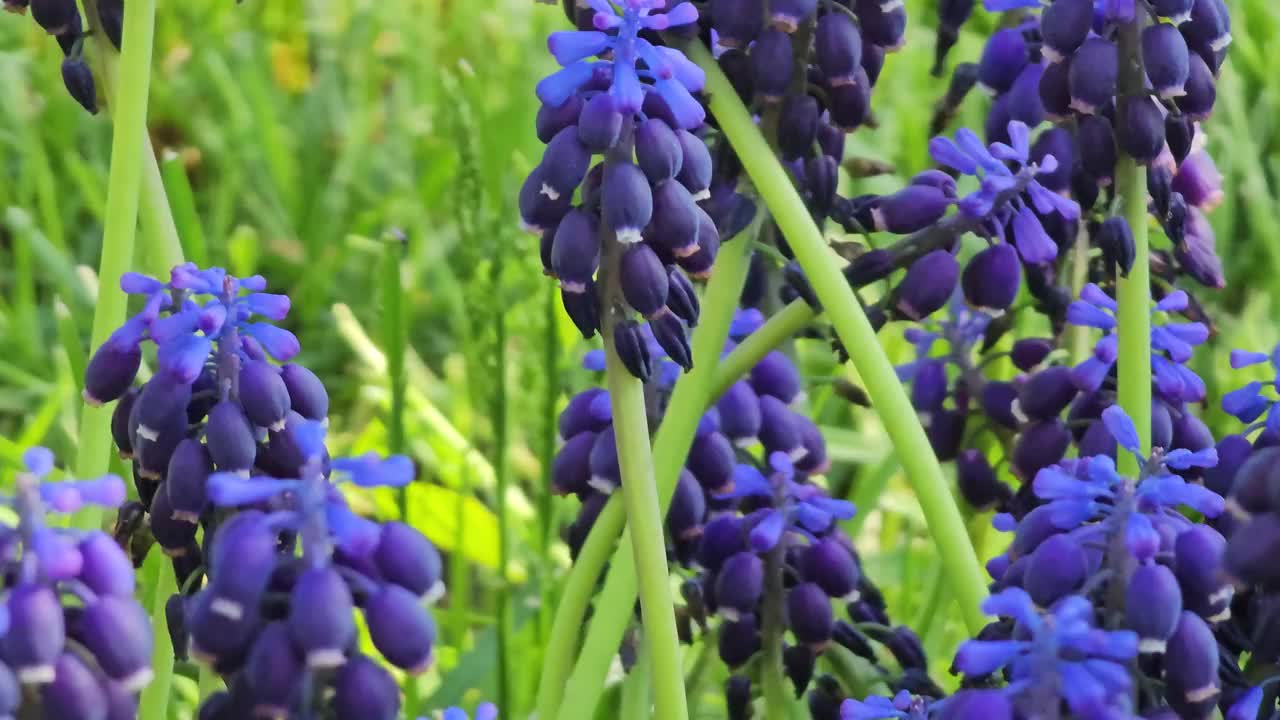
(309, 130)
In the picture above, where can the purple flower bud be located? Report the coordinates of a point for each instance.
(633, 348)
(364, 690)
(1191, 665)
(977, 481)
(822, 176)
(401, 628)
(838, 48)
(1040, 445)
(695, 166)
(1198, 562)
(658, 150)
(120, 431)
(571, 469)
(1064, 25)
(603, 461)
(1046, 393)
(215, 636)
(737, 694)
(912, 208)
(771, 63)
(830, 565)
(36, 635)
(230, 438)
(945, 431)
(937, 179)
(997, 402)
(815, 460)
(1199, 181)
(540, 207)
(869, 267)
(1233, 452)
(274, 672)
(698, 264)
(307, 395)
(171, 533)
(583, 308)
(1098, 440)
(575, 252)
(599, 124)
(786, 15)
(246, 546)
(264, 395)
(1002, 60)
(112, 369)
(1197, 254)
(675, 226)
(929, 386)
(1055, 90)
(682, 299)
(553, 119)
(688, 506)
(405, 557)
(1201, 89)
(1034, 528)
(798, 122)
(777, 376)
(1140, 128)
(1209, 29)
(739, 640)
(1166, 59)
(644, 280)
(320, 621)
(1153, 606)
(739, 585)
(1057, 568)
(588, 410)
(1024, 97)
(992, 278)
(188, 471)
(1176, 11)
(809, 614)
(778, 430)
(1116, 240)
(175, 615)
(105, 568)
(884, 22)
(673, 337)
(711, 460)
(739, 413)
(1028, 353)
(1097, 148)
(737, 22)
(721, 538)
(118, 633)
(927, 286)
(849, 105)
(1095, 67)
(907, 649)
(73, 691)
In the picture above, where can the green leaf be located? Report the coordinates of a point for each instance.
(437, 511)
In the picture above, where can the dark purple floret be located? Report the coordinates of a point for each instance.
(997, 403)
(771, 63)
(1040, 445)
(1002, 60)
(404, 556)
(120, 431)
(711, 460)
(695, 166)
(778, 430)
(118, 633)
(1055, 90)
(1166, 59)
(55, 16)
(307, 395)
(1233, 452)
(575, 253)
(673, 336)
(676, 220)
(1097, 148)
(320, 620)
(838, 48)
(912, 208)
(401, 628)
(73, 693)
(1209, 29)
(364, 690)
(739, 585)
(1153, 606)
(599, 123)
(603, 460)
(777, 376)
(538, 209)
(809, 614)
(112, 368)
(1201, 90)
(161, 402)
(105, 568)
(263, 395)
(830, 565)
(737, 697)
(588, 410)
(1095, 67)
(977, 480)
(1057, 568)
(682, 299)
(633, 347)
(1028, 353)
(722, 536)
(992, 278)
(643, 279)
(565, 162)
(929, 386)
(927, 285)
(1024, 103)
(1064, 25)
(1197, 252)
(1098, 440)
(688, 507)
(1201, 564)
(551, 120)
(945, 431)
(739, 640)
(628, 202)
(1047, 393)
(698, 264)
(850, 105)
(1176, 11)
(36, 635)
(937, 179)
(884, 23)
(907, 649)
(1140, 129)
(786, 15)
(274, 670)
(737, 22)
(658, 150)
(171, 533)
(1191, 667)
(739, 411)
(188, 471)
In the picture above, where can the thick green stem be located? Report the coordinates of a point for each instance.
(859, 337)
(649, 546)
(670, 447)
(123, 183)
(635, 689)
(1134, 292)
(777, 702)
(780, 327)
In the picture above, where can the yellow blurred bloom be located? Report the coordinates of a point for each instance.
(289, 67)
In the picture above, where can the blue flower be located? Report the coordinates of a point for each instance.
(962, 330)
(1060, 653)
(800, 507)
(484, 711)
(1006, 172)
(636, 67)
(1172, 344)
(1248, 403)
(903, 705)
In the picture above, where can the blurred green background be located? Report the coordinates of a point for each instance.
(309, 129)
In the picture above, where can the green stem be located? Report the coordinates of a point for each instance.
(551, 372)
(855, 331)
(635, 688)
(1079, 345)
(670, 447)
(154, 702)
(780, 327)
(162, 247)
(644, 519)
(393, 332)
(123, 183)
(183, 202)
(777, 702)
(500, 439)
(1134, 292)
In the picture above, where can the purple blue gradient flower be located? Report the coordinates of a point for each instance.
(1250, 401)
(800, 507)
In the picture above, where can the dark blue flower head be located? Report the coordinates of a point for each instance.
(637, 66)
(799, 507)
(1060, 653)
(1009, 194)
(1172, 344)
(904, 705)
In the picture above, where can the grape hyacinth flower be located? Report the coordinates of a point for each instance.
(61, 19)
(620, 95)
(272, 621)
(72, 632)
(1171, 345)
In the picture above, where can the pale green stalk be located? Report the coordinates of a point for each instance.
(852, 327)
(780, 327)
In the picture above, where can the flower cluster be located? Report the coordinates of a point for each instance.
(74, 641)
(621, 95)
(279, 624)
(215, 401)
(61, 19)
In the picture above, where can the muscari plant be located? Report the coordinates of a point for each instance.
(691, 142)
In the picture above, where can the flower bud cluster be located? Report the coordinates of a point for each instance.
(61, 19)
(73, 640)
(623, 95)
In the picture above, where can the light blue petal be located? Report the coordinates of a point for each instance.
(1121, 428)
